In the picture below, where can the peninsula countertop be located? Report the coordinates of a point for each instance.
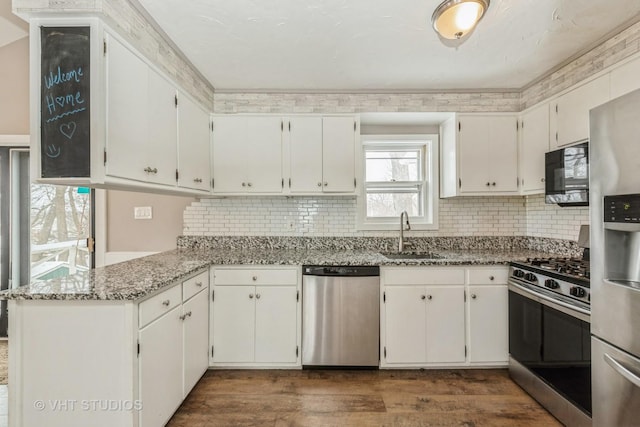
(136, 279)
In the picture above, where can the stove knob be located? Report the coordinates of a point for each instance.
(577, 292)
(530, 277)
(518, 273)
(551, 284)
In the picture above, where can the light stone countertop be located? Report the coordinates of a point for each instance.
(138, 278)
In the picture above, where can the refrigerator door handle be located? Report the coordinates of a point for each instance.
(631, 376)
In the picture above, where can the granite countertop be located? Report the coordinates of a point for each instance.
(138, 278)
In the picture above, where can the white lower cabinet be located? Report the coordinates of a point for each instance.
(451, 316)
(255, 317)
(196, 339)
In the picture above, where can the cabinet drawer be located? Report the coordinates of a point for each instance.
(255, 277)
(156, 306)
(423, 276)
(192, 286)
(488, 276)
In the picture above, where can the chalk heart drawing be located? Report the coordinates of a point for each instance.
(53, 151)
(68, 129)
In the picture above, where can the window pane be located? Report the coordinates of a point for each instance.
(393, 165)
(392, 204)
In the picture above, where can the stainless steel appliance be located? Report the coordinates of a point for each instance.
(615, 254)
(549, 346)
(567, 176)
(340, 316)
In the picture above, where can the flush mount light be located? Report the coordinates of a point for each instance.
(453, 19)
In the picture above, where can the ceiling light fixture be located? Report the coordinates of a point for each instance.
(454, 19)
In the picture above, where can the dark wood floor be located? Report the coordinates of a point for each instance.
(359, 398)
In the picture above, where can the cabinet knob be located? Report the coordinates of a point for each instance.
(184, 316)
(541, 179)
(422, 296)
(197, 180)
(473, 296)
(326, 183)
(488, 184)
(429, 297)
(188, 314)
(166, 302)
(199, 284)
(250, 296)
(258, 296)
(254, 278)
(244, 184)
(248, 184)
(319, 184)
(148, 169)
(493, 183)
(492, 278)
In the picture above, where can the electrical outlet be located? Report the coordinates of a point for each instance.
(142, 212)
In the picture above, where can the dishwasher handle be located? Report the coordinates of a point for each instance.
(340, 270)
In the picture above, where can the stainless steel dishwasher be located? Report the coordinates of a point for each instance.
(340, 316)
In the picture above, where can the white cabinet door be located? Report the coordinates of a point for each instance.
(160, 363)
(572, 111)
(196, 339)
(229, 157)
(445, 324)
(624, 79)
(162, 133)
(194, 159)
(405, 333)
(502, 164)
(305, 154)
(338, 154)
(263, 154)
(473, 146)
(127, 94)
(534, 143)
(276, 326)
(488, 323)
(233, 324)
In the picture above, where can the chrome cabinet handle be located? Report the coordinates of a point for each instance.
(473, 296)
(491, 278)
(319, 184)
(254, 278)
(244, 184)
(258, 296)
(184, 316)
(197, 180)
(423, 296)
(199, 284)
(493, 183)
(188, 314)
(149, 170)
(541, 179)
(249, 184)
(166, 302)
(488, 184)
(429, 297)
(250, 296)
(631, 376)
(326, 183)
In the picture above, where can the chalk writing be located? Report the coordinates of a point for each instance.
(68, 129)
(53, 151)
(53, 103)
(62, 77)
(68, 113)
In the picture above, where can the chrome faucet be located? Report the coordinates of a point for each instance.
(401, 242)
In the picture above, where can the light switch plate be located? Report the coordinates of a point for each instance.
(142, 212)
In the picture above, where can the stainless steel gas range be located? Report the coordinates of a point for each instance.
(549, 334)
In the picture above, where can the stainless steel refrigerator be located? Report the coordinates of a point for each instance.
(614, 193)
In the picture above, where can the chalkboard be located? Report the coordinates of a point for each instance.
(65, 125)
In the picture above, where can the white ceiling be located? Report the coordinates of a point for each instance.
(12, 28)
(379, 45)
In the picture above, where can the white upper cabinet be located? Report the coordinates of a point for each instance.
(487, 154)
(534, 143)
(247, 154)
(194, 157)
(141, 119)
(569, 114)
(624, 79)
(338, 154)
(322, 154)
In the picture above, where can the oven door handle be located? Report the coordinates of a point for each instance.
(550, 302)
(631, 376)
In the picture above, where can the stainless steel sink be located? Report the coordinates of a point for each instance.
(410, 255)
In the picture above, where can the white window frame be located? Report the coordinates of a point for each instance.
(430, 182)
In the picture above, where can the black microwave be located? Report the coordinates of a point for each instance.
(567, 176)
